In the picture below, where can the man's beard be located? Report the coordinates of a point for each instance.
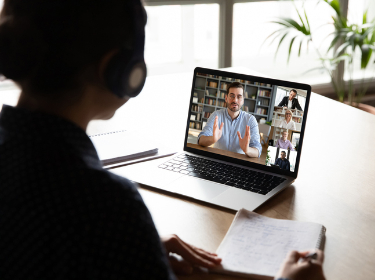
(233, 109)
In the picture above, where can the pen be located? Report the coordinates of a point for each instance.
(309, 257)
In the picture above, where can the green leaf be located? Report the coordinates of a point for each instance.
(334, 20)
(367, 25)
(342, 48)
(299, 50)
(286, 24)
(334, 41)
(336, 60)
(349, 35)
(333, 62)
(335, 4)
(367, 32)
(351, 39)
(366, 55)
(281, 40)
(364, 19)
(293, 23)
(303, 27)
(307, 20)
(372, 38)
(290, 47)
(274, 38)
(279, 30)
(343, 21)
(340, 21)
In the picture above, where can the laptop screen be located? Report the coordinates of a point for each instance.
(247, 120)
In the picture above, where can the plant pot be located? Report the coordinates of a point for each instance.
(364, 107)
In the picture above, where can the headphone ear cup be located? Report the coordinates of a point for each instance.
(125, 75)
(136, 79)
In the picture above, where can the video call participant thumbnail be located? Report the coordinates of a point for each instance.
(287, 122)
(284, 143)
(231, 128)
(283, 162)
(290, 102)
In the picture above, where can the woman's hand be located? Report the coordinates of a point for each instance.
(191, 255)
(306, 270)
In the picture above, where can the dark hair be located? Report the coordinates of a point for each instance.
(234, 85)
(48, 44)
(294, 91)
(283, 152)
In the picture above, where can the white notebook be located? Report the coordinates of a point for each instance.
(256, 246)
(122, 145)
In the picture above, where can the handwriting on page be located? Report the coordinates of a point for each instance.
(258, 245)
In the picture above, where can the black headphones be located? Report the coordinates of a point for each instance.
(126, 72)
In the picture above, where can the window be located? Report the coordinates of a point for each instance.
(301, 101)
(251, 27)
(280, 94)
(9, 93)
(292, 160)
(181, 37)
(272, 153)
(163, 35)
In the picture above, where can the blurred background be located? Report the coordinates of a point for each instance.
(181, 35)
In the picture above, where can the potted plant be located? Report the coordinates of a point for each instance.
(345, 40)
(268, 157)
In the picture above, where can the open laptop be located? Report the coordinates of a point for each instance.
(221, 173)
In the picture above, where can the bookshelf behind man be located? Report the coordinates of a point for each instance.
(209, 96)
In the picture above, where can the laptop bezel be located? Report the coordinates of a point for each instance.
(253, 79)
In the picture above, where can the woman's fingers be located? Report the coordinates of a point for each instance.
(320, 256)
(293, 257)
(180, 266)
(203, 253)
(192, 256)
(174, 244)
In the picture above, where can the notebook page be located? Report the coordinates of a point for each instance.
(258, 245)
(122, 144)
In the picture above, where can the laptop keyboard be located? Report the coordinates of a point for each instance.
(226, 174)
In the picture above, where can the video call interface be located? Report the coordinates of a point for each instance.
(246, 120)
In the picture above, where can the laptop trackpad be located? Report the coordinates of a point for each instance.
(197, 188)
(149, 174)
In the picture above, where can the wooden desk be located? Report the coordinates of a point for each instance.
(335, 187)
(335, 184)
(260, 160)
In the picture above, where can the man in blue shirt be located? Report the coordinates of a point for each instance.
(282, 162)
(238, 131)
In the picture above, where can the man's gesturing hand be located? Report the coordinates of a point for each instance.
(217, 132)
(190, 254)
(244, 142)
